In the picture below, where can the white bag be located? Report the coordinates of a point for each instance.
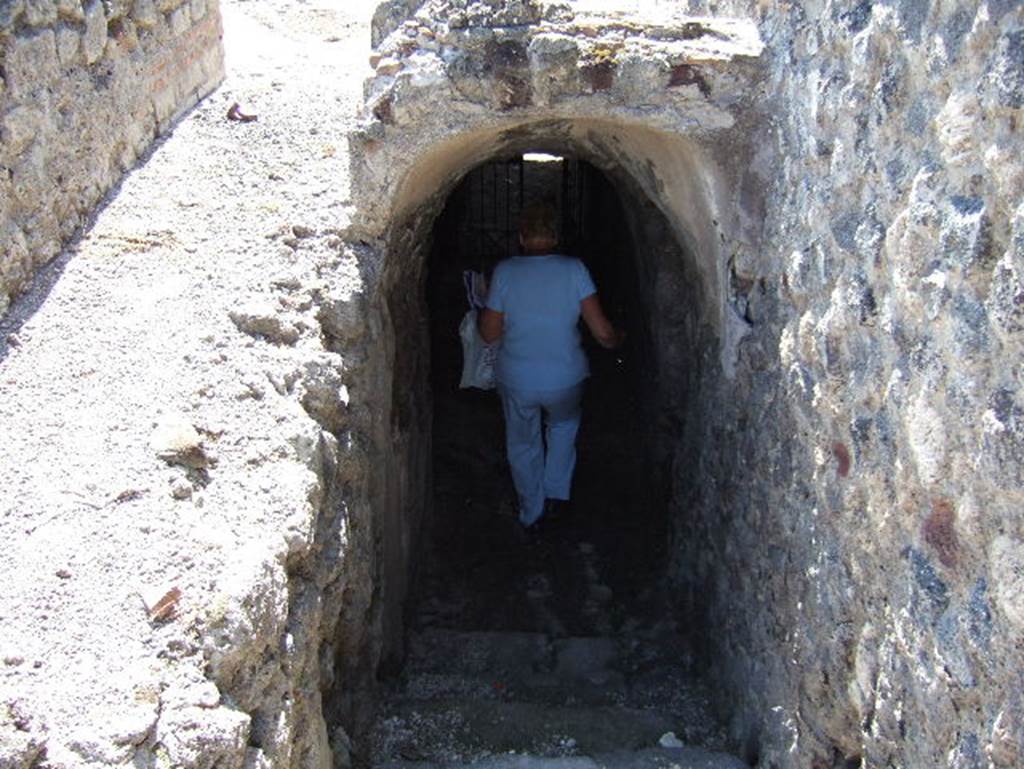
(477, 355)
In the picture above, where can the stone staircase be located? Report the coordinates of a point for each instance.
(562, 652)
(517, 700)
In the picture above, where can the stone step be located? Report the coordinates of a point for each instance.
(459, 731)
(524, 666)
(536, 687)
(493, 654)
(531, 667)
(471, 651)
(650, 758)
(474, 653)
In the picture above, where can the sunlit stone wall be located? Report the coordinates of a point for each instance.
(85, 88)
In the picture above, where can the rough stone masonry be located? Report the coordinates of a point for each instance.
(831, 196)
(844, 183)
(85, 88)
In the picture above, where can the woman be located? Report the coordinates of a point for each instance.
(534, 306)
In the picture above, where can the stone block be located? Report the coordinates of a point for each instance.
(927, 436)
(43, 237)
(40, 13)
(14, 258)
(1006, 564)
(389, 66)
(844, 229)
(145, 14)
(895, 172)
(10, 13)
(28, 177)
(1008, 73)
(198, 76)
(955, 126)
(1003, 444)
(204, 737)
(800, 276)
(970, 327)
(998, 8)
(1004, 167)
(180, 20)
(31, 62)
(967, 754)
(19, 127)
(951, 651)
(1006, 295)
(198, 9)
(979, 616)
(71, 10)
(69, 46)
(955, 30)
(912, 15)
(213, 67)
(94, 41)
(553, 65)
(929, 595)
(1006, 744)
(911, 241)
(264, 320)
(857, 16)
(124, 34)
(965, 237)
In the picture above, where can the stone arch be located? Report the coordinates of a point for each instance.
(670, 118)
(687, 197)
(670, 171)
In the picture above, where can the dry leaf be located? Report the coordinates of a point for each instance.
(166, 607)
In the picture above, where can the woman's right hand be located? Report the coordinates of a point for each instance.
(604, 332)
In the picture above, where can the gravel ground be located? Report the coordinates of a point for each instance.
(130, 327)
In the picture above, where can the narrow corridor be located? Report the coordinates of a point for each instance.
(566, 643)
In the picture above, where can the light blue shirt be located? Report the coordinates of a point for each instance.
(540, 342)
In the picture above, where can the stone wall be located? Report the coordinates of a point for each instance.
(841, 187)
(861, 540)
(847, 479)
(85, 88)
(538, 79)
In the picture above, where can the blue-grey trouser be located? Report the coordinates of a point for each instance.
(540, 475)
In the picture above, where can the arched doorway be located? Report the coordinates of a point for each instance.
(595, 573)
(669, 202)
(663, 129)
(620, 495)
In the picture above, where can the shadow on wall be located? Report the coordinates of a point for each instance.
(25, 305)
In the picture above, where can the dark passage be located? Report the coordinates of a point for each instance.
(616, 517)
(563, 644)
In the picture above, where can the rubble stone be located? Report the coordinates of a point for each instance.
(874, 378)
(49, 68)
